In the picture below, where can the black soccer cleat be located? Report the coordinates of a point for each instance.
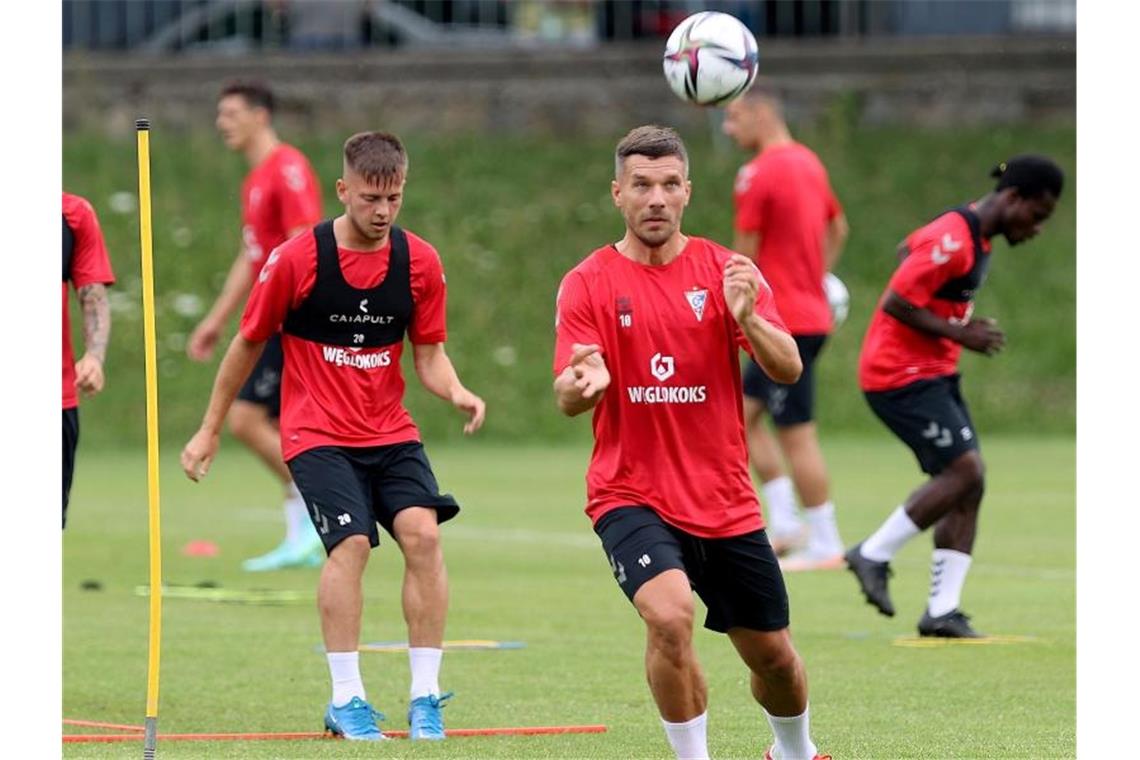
(955, 624)
(872, 577)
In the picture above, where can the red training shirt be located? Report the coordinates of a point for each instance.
(669, 431)
(89, 265)
(278, 195)
(784, 194)
(328, 398)
(895, 354)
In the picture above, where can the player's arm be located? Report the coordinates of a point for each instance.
(981, 335)
(96, 334)
(834, 238)
(580, 385)
(236, 289)
(236, 365)
(746, 243)
(774, 350)
(437, 374)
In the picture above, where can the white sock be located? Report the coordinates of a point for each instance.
(425, 662)
(345, 670)
(793, 741)
(890, 537)
(823, 536)
(948, 570)
(689, 740)
(781, 501)
(297, 522)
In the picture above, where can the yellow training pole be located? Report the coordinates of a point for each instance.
(142, 127)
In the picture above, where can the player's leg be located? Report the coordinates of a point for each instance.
(928, 419)
(796, 433)
(785, 529)
(410, 507)
(743, 589)
(337, 495)
(253, 421)
(70, 443)
(647, 560)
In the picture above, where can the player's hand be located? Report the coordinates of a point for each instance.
(199, 454)
(89, 375)
(202, 341)
(591, 377)
(983, 336)
(471, 405)
(741, 286)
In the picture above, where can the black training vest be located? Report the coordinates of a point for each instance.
(963, 289)
(68, 249)
(337, 314)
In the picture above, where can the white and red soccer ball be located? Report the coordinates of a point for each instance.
(710, 58)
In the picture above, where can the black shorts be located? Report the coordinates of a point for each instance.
(930, 417)
(349, 490)
(263, 386)
(70, 441)
(792, 404)
(737, 578)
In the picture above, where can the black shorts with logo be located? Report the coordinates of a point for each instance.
(263, 386)
(70, 442)
(930, 417)
(349, 490)
(791, 404)
(737, 578)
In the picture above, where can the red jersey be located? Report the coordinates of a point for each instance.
(940, 270)
(332, 395)
(278, 195)
(669, 431)
(784, 194)
(85, 262)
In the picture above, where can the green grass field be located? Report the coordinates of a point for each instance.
(525, 565)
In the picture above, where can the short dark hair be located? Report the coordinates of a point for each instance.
(1031, 175)
(652, 141)
(379, 157)
(256, 94)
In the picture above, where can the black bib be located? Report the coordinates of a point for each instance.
(963, 288)
(68, 249)
(337, 314)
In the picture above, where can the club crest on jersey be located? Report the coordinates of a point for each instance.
(625, 311)
(697, 300)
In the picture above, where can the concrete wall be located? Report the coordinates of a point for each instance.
(924, 82)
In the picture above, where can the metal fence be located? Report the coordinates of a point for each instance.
(250, 26)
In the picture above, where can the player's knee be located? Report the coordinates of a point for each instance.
(419, 538)
(242, 422)
(670, 625)
(970, 472)
(779, 661)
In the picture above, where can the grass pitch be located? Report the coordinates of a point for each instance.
(525, 566)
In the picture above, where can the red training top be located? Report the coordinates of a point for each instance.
(89, 265)
(278, 195)
(669, 431)
(895, 354)
(330, 395)
(784, 194)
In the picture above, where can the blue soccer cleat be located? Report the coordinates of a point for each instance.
(304, 553)
(425, 716)
(355, 721)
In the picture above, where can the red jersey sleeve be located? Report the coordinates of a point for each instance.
(298, 196)
(749, 198)
(573, 319)
(429, 294)
(90, 263)
(938, 253)
(766, 309)
(284, 281)
(833, 207)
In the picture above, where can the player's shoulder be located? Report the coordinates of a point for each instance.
(287, 153)
(703, 249)
(298, 247)
(75, 207)
(420, 249)
(949, 225)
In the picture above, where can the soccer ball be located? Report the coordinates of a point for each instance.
(710, 58)
(837, 298)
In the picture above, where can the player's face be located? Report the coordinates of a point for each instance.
(1025, 217)
(739, 123)
(370, 207)
(652, 194)
(237, 121)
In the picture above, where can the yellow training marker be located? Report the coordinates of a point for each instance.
(934, 642)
